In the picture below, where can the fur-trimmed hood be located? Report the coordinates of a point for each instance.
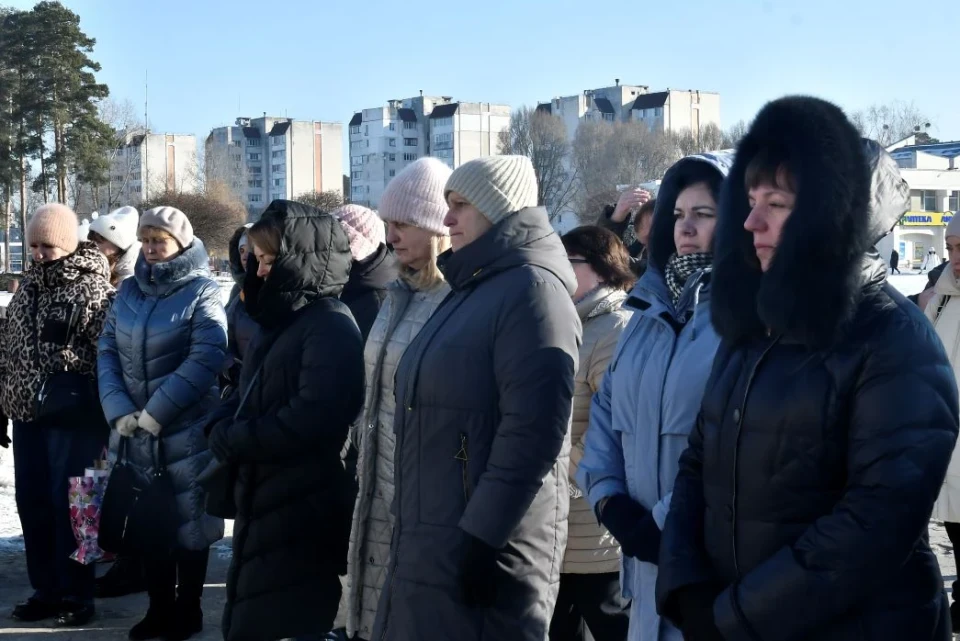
(850, 194)
(163, 278)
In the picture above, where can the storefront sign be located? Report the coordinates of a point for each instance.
(926, 219)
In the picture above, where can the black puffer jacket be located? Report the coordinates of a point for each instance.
(829, 418)
(293, 496)
(367, 287)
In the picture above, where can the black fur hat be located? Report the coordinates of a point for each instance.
(813, 283)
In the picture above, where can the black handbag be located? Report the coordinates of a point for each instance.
(219, 478)
(139, 516)
(64, 396)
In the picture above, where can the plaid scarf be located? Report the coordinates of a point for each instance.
(680, 268)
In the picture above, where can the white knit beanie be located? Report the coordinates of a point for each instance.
(497, 186)
(119, 227)
(415, 196)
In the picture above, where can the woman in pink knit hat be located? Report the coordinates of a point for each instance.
(413, 206)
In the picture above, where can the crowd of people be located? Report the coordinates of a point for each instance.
(441, 420)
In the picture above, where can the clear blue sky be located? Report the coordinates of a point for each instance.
(325, 59)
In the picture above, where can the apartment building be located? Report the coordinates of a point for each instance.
(669, 110)
(933, 173)
(384, 140)
(142, 166)
(266, 159)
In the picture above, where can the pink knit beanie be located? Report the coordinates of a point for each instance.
(415, 196)
(55, 225)
(364, 229)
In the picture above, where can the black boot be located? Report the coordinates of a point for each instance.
(955, 616)
(125, 577)
(156, 625)
(187, 621)
(191, 574)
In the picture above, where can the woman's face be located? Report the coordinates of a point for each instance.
(157, 246)
(106, 248)
(465, 221)
(411, 244)
(695, 215)
(43, 253)
(587, 279)
(265, 261)
(953, 254)
(243, 249)
(770, 207)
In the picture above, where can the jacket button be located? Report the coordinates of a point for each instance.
(736, 415)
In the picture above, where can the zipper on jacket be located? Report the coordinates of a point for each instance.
(736, 450)
(36, 333)
(463, 456)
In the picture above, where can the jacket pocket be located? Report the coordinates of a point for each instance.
(442, 476)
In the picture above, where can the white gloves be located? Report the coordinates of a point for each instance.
(127, 425)
(148, 423)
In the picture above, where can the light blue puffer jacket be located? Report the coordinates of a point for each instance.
(162, 347)
(648, 403)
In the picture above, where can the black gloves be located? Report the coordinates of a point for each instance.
(4, 437)
(633, 526)
(693, 610)
(478, 573)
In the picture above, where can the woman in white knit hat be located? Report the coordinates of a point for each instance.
(484, 398)
(116, 237)
(413, 206)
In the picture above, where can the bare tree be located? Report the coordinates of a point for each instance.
(323, 200)
(733, 135)
(215, 214)
(122, 118)
(891, 122)
(542, 137)
(711, 137)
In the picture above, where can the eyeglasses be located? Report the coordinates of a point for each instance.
(578, 261)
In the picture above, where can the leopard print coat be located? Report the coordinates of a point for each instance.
(69, 296)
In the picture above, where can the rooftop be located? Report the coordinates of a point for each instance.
(407, 115)
(651, 100)
(356, 120)
(445, 111)
(942, 149)
(604, 105)
(279, 129)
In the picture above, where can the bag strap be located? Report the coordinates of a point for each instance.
(246, 392)
(943, 303)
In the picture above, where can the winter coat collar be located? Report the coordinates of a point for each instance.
(823, 262)
(164, 278)
(947, 284)
(373, 273)
(525, 238)
(314, 263)
(86, 260)
(600, 301)
(126, 263)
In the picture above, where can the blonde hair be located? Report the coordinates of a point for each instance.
(430, 275)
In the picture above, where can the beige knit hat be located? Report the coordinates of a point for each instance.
(55, 225)
(416, 196)
(497, 186)
(171, 220)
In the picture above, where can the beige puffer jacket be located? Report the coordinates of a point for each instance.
(401, 318)
(590, 547)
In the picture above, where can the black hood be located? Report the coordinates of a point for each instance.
(525, 238)
(371, 274)
(849, 195)
(236, 266)
(314, 262)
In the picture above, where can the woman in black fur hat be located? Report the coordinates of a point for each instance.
(801, 507)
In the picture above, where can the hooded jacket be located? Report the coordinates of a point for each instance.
(641, 418)
(161, 350)
(36, 337)
(366, 290)
(483, 439)
(829, 417)
(943, 310)
(241, 328)
(300, 389)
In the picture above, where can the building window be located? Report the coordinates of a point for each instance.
(443, 122)
(278, 182)
(366, 130)
(367, 146)
(237, 143)
(355, 129)
(255, 198)
(276, 169)
(410, 142)
(393, 157)
(929, 200)
(253, 142)
(278, 141)
(954, 202)
(356, 175)
(407, 124)
(255, 170)
(277, 196)
(409, 157)
(393, 142)
(444, 153)
(238, 157)
(255, 184)
(356, 160)
(608, 117)
(393, 172)
(443, 141)
(277, 154)
(658, 112)
(253, 156)
(393, 126)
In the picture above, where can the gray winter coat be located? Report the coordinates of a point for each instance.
(162, 346)
(484, 395)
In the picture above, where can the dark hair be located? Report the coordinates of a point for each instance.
(266, 235)
(770, 166)
(694, 173)
(604, 252)
(646, 209)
